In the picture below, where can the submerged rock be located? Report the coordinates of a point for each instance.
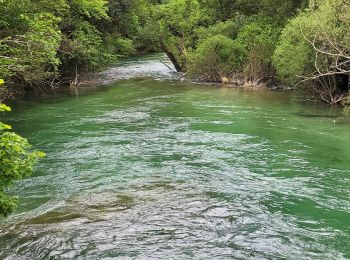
(90, 207)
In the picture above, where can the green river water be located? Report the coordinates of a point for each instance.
(159, 169)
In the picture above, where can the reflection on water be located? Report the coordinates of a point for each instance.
(161, 169)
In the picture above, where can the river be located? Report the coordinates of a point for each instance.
(152, 168)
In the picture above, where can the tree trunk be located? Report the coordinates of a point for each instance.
(172, 59)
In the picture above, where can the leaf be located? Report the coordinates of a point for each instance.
(4, 108)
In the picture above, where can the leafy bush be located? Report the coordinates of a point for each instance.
(216, 57)
(314, 51)
(228, 28)
(294, 56)
(91, 8)
(259, 39)
(32, 56)
(39, 40)
(124, 47)
(149, 40)
(16, 162)
(85, 48)
(313, 42)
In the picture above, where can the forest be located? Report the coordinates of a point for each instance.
(298, 43)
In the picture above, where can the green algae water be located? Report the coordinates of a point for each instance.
(159, 169)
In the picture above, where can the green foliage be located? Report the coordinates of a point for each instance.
(123, 19)
(91, 8)
(2, 89)
(45, 38)
(28, 48)
(259, 39)
(57, 7)
(227, 9)
(259, 32)
(124, 47)
(182, 26)
(228, 28)
(293, 55)
(42, 39)
(219, 10)
(85, 47)
(325, 28)
(16, 162)
(179, 16)
(176, 22)
(280, 10)
(216, 57)
(149, 40)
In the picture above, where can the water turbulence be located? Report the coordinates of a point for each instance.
(154, 66)
(157, 168)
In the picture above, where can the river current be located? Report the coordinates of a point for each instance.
(148, 167)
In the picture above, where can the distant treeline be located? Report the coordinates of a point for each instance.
(301, 43)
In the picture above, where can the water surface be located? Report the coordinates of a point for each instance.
(159, 169)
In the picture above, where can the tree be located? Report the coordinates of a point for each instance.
(259, 39)
(217, 57)
(175, 23)
(314, 51)
(42, 40)
(29, 44)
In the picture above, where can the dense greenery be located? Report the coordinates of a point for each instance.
(248, 42)
(298, 43)
(314, 50)
(184, 26)
(42, 39)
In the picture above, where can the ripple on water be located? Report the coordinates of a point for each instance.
(157, 219)
(183, 177)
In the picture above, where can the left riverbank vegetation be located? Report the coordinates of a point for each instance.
(299, 43)
(17, 160)
(42, 42)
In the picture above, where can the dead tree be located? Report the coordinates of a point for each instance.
(332, 59)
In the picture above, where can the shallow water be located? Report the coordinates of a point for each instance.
(158, 169)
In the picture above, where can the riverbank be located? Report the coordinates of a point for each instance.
(154, 66)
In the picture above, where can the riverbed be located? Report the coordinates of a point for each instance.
(148, 167)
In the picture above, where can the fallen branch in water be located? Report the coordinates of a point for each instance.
(182, 76)
(166, 65)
